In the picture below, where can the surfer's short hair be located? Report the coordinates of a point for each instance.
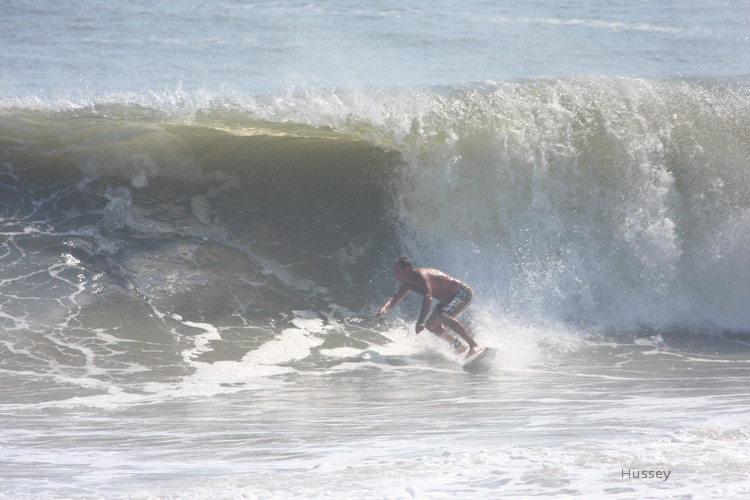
(404, 262)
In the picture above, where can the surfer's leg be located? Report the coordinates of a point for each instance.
(453, 308)
(460, 330)
(435, 325)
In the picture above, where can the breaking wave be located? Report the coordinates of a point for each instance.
(613, 202)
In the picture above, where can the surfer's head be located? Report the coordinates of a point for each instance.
(402, 268)
(404, 262)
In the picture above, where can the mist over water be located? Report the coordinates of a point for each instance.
(612, 201)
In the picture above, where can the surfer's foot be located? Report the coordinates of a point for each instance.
(473, 351)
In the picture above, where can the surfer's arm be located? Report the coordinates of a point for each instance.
(426, 304)
(398, 297)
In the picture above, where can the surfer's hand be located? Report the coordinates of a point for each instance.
(420, 327)
(381, 312)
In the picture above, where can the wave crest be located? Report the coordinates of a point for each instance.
(619, 202)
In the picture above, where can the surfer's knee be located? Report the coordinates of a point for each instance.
(451, 323)
(435, 326)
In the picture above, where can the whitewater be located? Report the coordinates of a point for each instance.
(199, 205)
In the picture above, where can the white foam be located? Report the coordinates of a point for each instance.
(201, 341)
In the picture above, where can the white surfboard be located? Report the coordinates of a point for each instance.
(472, 360)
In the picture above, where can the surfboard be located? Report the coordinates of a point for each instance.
(473, 361)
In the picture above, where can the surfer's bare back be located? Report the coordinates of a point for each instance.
(453, 296)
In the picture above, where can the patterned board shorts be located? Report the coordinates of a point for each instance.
(455, 305)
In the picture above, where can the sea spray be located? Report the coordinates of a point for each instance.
(619, 202)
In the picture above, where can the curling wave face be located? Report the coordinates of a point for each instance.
(131, 226)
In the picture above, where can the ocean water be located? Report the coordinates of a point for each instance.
(199, 203)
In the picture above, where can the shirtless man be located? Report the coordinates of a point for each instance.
(453, 295)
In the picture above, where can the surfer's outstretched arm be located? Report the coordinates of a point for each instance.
(397, 297)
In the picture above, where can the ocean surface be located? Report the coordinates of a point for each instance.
(199, 203)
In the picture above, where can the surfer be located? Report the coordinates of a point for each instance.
(453, 295)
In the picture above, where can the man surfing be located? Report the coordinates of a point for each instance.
(453, 295)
